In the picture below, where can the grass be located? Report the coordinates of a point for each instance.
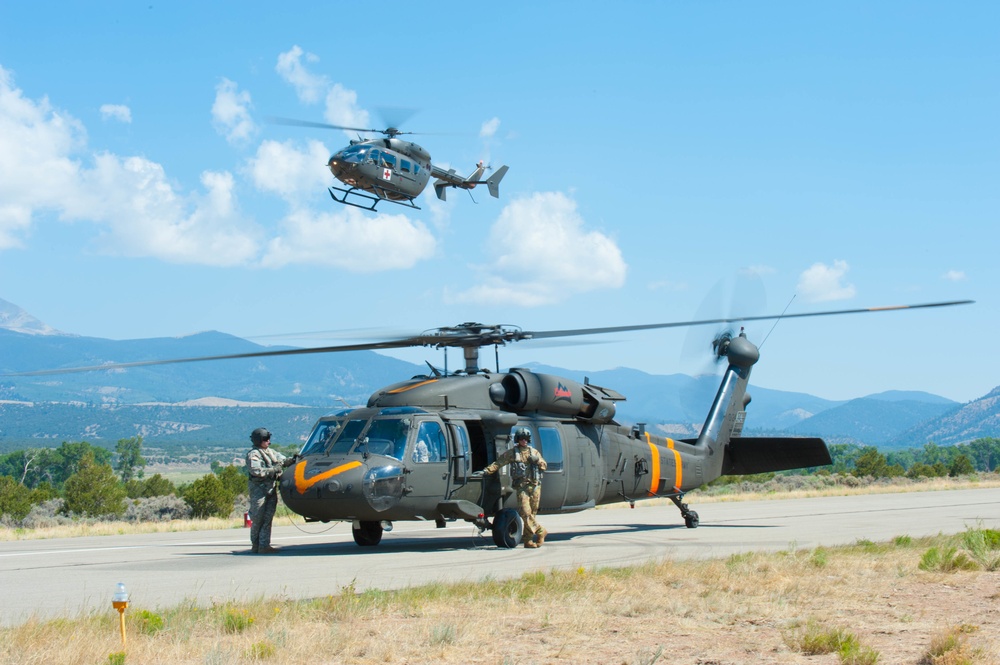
(754, 607)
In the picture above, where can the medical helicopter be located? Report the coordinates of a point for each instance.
(358, 465)
(391, 169)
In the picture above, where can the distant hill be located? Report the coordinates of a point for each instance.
(977, 419)
(872, 420)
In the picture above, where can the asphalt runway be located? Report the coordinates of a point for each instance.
(63, 577)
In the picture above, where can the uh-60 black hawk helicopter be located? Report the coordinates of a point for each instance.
(359, 465)
(391, 169)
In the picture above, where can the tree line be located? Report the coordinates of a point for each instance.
(83, 480)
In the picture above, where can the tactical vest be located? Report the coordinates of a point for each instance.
(523, 473)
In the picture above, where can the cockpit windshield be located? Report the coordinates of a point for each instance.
(385, 434)
(354, 154)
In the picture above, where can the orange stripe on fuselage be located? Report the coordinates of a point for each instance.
(301, 484)
(411, 386)
(679, 470)
(654, 482)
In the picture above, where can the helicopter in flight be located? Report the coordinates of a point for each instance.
(391, 169)
(359, 465)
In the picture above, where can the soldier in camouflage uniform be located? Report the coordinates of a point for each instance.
(264, 466)
(526, 467)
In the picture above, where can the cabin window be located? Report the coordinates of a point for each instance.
(430, 445)
(389, 160)
(462, 456)
(374, 156)
(405, 165)
(551, 448)
(416, 169)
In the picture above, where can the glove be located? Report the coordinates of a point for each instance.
(534, 458)
(276, 473)
(478, 474)
(288, 461)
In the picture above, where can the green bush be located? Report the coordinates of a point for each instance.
(208, 497)
(94, 490)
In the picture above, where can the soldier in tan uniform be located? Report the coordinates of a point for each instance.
(264, 466)
(526, 467)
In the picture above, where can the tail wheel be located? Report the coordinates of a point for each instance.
(691, 520)
(507, 528)
(367, 534)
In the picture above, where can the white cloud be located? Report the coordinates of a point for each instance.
(231, 112)
(308, 86)
(352, 240)
(144, 216)
(489, 128)
(118, 112)
(36, 168)
(342, 109)
(823, 283)
(545, 255)
(44, 169)
(283, 169)
(954, 276)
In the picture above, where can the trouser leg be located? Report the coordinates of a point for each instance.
(267, 515)
(258, 497)
(527, 506)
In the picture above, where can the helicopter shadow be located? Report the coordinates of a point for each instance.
(613, 529)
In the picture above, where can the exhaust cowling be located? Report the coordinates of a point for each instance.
(524, 390)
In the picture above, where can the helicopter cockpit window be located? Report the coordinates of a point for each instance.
(321, 437)
(374, 156)
(387, 436)
(348, 437)
(430, 445)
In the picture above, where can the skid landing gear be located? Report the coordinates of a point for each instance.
(690, 517)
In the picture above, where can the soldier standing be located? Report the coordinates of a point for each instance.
(526, 466)
(264, 466)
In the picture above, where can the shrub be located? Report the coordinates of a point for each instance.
(147, 622)
(158, 509)
(46, 514)
(94, 490)
(208, 497)
(15, 498)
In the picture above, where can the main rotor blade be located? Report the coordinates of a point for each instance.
(465, 336)
(292, 122)
(768, 317)
(391, 344)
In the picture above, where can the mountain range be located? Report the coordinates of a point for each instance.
(215, 403)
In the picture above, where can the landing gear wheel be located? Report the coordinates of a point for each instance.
(367, 534)
(691, 520)
(507, 528)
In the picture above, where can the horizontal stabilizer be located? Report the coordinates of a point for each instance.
(747, 455)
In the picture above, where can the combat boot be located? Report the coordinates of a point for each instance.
(541, 535)
(531, 544)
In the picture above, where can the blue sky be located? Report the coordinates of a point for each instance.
(848, 154)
